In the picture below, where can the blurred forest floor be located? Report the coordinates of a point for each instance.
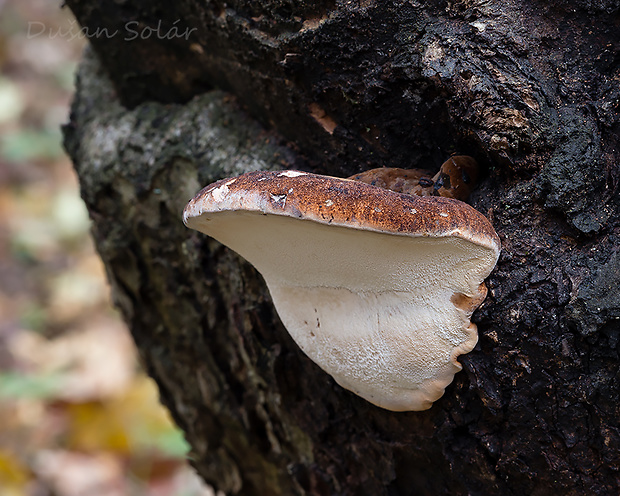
(77, 416)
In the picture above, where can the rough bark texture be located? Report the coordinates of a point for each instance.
(529, 88)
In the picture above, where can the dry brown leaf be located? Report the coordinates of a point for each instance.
(77, 474)
(92, 364)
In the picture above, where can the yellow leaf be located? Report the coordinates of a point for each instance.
(128, 423)
(13, 475)
(94, 426)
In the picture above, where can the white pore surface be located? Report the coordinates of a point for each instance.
(373, 310)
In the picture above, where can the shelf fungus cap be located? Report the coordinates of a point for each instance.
(376, 287)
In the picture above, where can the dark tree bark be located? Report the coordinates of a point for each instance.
(529, 88)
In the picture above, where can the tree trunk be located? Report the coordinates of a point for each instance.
(529, 88)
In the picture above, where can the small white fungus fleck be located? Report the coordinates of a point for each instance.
(291, 174)
(280, 199)
(220, 192)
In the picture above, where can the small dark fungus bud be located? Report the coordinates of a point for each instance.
(425, 182)
(409, 181)
(456, 179)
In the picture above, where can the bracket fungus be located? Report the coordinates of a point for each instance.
(455, 179)
(375, 286)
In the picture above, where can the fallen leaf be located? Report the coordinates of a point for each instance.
(78, 474)
(132, 422)
(14, 475)
(90, 365)
(11, 101)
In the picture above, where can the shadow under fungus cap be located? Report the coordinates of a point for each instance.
(376, 287)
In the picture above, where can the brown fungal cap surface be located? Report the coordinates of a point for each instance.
(375, 286)
(342, 202)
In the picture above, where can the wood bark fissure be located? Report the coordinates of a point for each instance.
(535, 409)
